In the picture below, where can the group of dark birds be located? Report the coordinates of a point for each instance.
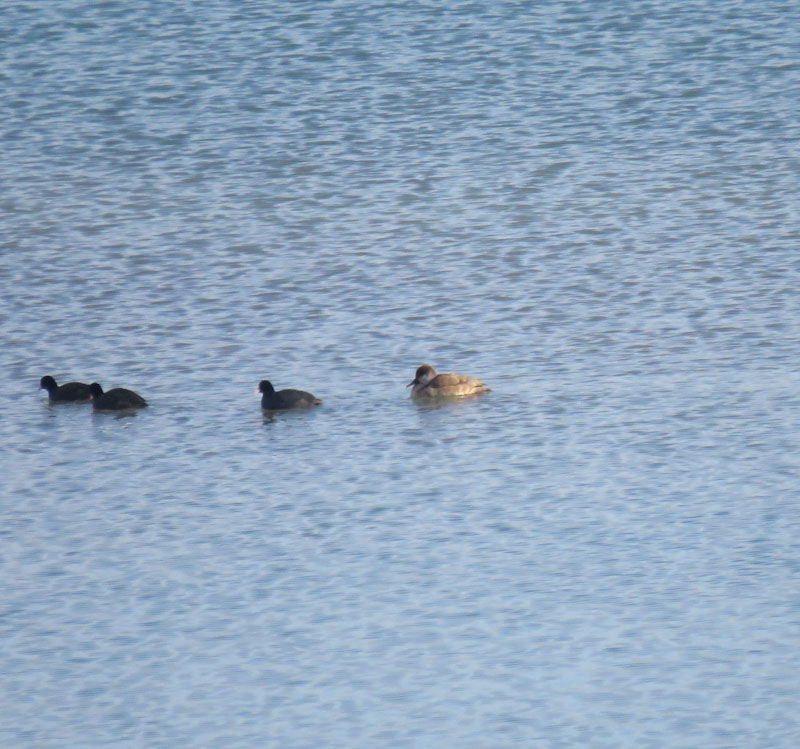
(426, 384)
(117, 399)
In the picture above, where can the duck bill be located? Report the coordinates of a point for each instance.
(413, 382)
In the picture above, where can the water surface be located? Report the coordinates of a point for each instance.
(592, 207)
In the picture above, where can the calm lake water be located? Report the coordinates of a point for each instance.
(591, 206)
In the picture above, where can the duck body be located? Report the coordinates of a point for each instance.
(428, 383)
(71, 392)
(280, 400)
(116, 399)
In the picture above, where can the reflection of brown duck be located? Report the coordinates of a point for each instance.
(428, 384)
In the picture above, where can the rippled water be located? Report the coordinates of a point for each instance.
(591, 206)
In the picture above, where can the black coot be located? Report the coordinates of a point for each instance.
(117, 399)
(72, 392)
(283, 399)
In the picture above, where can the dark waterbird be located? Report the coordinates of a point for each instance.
(71, 392)
(272, 400)
(117, 399)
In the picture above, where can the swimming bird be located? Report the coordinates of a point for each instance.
(428, 384)
(116, 399)
(71, 392)
(273, 400)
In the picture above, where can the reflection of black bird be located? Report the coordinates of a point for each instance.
(72, 392)
(117, 399)
(282, 399)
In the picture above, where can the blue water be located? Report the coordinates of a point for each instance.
(590, 206)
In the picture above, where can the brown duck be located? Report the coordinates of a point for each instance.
(428, 384)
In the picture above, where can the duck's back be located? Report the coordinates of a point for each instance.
(118, 399)
(289, 398)
(453, 384)
(71, 392)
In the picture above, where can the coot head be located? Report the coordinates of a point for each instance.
(96, 390)
(47, 383)
(265, 386)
